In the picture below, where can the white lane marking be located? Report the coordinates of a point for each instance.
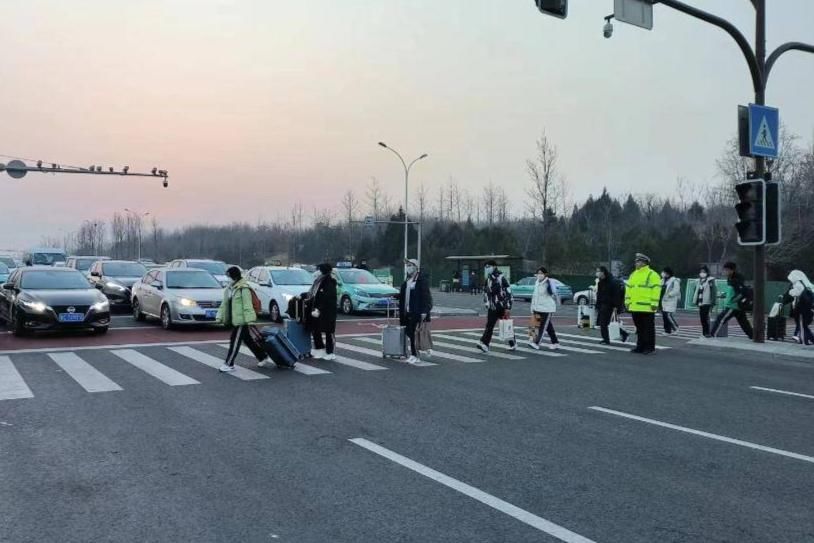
(213, 362)
(591, 338)
(469, 348)
(358, 364)
(155, 368)
(88, 377)
(707, 435)
(545, 526)
(299, 368)
(371, 352)
(562, 346)
(436, 354)
(785, 392)
(12, 384)
(595, 345)
(519, 349)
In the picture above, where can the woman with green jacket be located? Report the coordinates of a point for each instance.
(237, 312)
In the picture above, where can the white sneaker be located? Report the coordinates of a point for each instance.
(226, 368)
(554, 346)
(533, 345)
(427, 353)
(329, 357)
(318, 353)
(263, 363)
(413, 360)
(482, 347)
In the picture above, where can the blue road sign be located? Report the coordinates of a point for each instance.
(764, 131)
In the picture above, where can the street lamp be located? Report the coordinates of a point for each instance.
(407, 168)
(138, 215)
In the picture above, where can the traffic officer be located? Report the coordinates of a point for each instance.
(642, 300)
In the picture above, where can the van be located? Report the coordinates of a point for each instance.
(45, 256)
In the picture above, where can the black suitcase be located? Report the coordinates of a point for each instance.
(279, 347)
(776, 328)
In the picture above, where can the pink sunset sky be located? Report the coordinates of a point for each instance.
(254, 105)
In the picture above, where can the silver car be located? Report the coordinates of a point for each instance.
(177, 297)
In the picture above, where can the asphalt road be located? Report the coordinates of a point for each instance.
(148, 443)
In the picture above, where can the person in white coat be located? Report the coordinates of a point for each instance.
(670, 294)
(544, 305)
(706, 296)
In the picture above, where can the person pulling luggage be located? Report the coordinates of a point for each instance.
(544, 305)
(642, 294)
(801, 297)
(610, 301)
(237, 311)
(497, 296)
(415, 304)
(323, 313)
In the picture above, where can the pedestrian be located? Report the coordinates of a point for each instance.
(706, 297)
(473, 282)
(322, 304)
(497, 297)
(237, 311)
(642, 294)
(456, 281)
(736, 299)
(610, 301)
(801, 297)
(415, 304)
(670, 294)
(544, 305)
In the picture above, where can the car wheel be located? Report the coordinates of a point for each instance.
(346, 305)
(137, 314)
(100, 331)
(166, 317)
(274, 312)
(582, 300)
(18, 326)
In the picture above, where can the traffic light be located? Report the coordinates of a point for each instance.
(772, 192)
(557, 8)
(751, 208)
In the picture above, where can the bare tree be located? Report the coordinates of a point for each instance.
(501, 205)
(422, 196)
(374, 196)
(489, 203)
(547, 186)
(350, 205)
(441, 201)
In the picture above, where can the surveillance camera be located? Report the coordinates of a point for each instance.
(166, 182)
(607, 30)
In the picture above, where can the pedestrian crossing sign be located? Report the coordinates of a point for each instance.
(764, 126)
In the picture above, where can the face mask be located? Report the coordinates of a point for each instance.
(664, 276)
(489, 270)
(703, 275)
(411, 270)
(540, 276)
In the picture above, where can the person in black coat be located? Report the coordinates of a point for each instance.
(610, 297)
(323, 313)
(415, 304)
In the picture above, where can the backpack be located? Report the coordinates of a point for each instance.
(256, 304)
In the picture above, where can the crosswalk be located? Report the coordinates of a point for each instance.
(116, 369)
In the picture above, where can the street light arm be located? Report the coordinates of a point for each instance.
(414, 161)
(790, 46)
(729, 28)
(398, 155)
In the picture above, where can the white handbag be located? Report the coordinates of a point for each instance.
(505, 331)
(615, 328)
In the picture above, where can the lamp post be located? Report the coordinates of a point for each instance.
(407, 168)
(138, 216)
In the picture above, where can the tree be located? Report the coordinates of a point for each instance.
(350, 205)
(546, 186)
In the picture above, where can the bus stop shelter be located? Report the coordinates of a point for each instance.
(464, 264)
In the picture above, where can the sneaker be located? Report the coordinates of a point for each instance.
(263, 363)
(413, 360)
(554, 346)
(483, 347)
(533, 345)
(796, 338)
(512, 345)
(427, 353)
(329, 357)
(226, 368)
(318, 353)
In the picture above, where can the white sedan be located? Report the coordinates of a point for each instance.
(276, 285)
(177, 297)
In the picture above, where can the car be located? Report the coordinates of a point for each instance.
(215, 267)
(45, 256)
(524, 289)
(360, 290)
(177, 297)
(45, 298)
(276, 285)
(115, 279)
(4, 272)
(83, 263)
(9, 261)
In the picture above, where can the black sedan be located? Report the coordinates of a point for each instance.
(115, 279)
(45, 298)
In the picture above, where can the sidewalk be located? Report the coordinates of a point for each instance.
(776, 348)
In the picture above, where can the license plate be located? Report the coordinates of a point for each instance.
(383, 303)
(71, 317)
(211, 313)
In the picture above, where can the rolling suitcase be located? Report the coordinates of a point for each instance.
(279, 347)
(776, 328)
(394, 339)
(299, 336)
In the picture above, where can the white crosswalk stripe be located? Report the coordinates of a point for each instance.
(152, 367)
(213, 362)
(358, 364)
(88, 377)
(630, 343)
(494, 345)
(299, 368)
(469, 348)
(371, 352)
(435, 353)
(12, 384)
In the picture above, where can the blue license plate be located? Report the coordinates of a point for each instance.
(384, 303)
(211, 313)
(71, 317)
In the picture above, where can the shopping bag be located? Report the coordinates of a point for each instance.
(615, 328)
(505, 330)
(777, 308)
(423, 336)
(534, 325)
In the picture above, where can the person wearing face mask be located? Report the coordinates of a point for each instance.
(706, 296)
(670, 294)
(237, 311)
(610, 298)
(497, 297)
(801, 297)
(322, 303)
(544, 304)
(642, 294)
(415, 304)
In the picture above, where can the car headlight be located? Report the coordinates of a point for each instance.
(111, 284)
(186, 302)
(101, 307)
(39, 307)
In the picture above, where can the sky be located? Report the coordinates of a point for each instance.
(255, 105)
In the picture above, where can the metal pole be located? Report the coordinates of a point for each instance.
(419, 243)
(406, 225)
(760, 170)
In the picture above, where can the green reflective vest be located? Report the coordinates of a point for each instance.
(642, 291)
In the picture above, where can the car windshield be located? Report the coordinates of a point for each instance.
(191, 279)
(123, 269)
(291, 277)
(8, 261)
(358, 277)
(3, 269)
(54, 280)
(215, 268)
(84, 264)
(47, 259)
